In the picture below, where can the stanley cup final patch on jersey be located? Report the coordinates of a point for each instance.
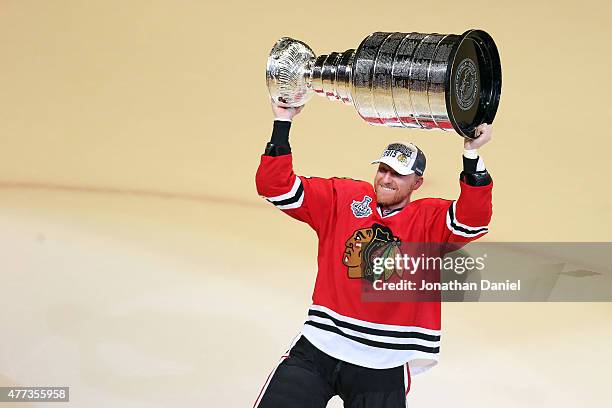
(361, 209)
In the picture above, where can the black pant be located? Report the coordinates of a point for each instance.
(309, 378)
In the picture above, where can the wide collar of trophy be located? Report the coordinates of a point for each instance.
(412, 80)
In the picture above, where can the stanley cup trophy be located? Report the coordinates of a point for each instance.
(422, 81)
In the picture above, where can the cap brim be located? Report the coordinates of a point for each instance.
(389, 161)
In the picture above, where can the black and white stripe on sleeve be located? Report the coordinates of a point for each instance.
(458, 228)
(291, 199)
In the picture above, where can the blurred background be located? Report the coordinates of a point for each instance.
(138, 264)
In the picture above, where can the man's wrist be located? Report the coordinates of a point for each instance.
(472, 162)
(470, 153)
(279, 142)
(280, 132)
(474, 172)
(283, 119)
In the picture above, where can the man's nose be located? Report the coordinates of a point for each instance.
(387, 177)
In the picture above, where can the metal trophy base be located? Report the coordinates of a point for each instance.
(412, 80)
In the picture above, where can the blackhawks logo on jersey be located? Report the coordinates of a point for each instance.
(366, 244)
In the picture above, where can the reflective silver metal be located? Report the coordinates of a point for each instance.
(412, 80)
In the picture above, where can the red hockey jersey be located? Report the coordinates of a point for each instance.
(342, 212)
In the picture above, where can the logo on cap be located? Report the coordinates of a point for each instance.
(404, 158)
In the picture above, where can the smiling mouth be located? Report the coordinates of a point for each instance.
(383, 188)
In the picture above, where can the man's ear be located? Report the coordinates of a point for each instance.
(418, 182)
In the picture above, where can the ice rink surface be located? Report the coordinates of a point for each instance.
(138, 265)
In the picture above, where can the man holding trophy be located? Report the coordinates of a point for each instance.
(366, 352)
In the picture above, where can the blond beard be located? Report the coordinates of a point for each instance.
(391, 201)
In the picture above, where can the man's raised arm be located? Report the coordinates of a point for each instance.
(468, 217)
(306, 199)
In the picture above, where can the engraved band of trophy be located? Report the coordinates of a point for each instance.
(411, 80)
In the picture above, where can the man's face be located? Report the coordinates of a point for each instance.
(393, 189)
